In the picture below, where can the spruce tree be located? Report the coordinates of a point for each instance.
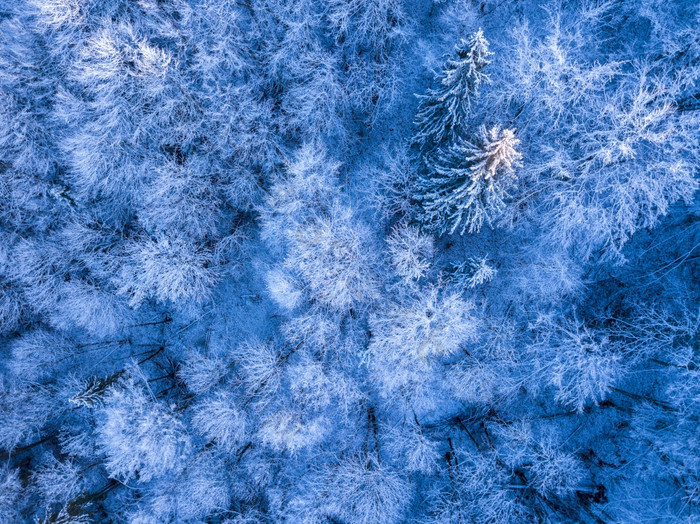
(468, 184)
(443, 110)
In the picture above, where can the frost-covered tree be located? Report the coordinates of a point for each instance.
(554, 471)
(201, 373)
(433, 324)
(315, 103)
(371, 25)
(414, 448)
(182, 197)
(667, 427)
(472, 272)
(326, 245)
(200, 491)
(443, 112)
(330, 255)
(219, 419)
(287, 430)
(411, 253)
(581, 364)
(363, 490)
(411, 338)
(168, 268)
(11, 489)
(26, 409)
(391, 183)
(58, 482)
(609, 151)
(478, 491)
(370, 37)
(140, 436)
(27, 84)
(468, 184)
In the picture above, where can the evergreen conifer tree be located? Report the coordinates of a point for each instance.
(443, 110)
(468, 184)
